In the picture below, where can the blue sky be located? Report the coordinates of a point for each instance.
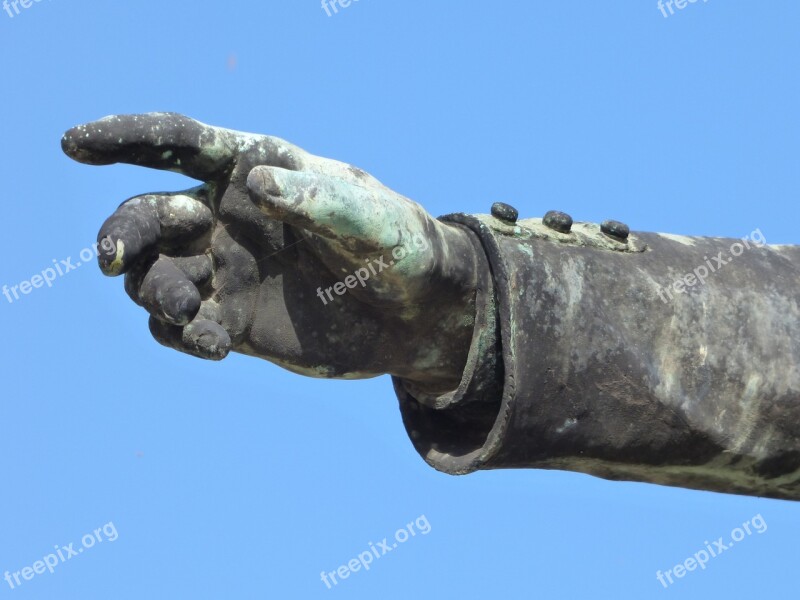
(240, 480)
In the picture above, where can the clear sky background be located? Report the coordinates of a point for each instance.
(240, 480)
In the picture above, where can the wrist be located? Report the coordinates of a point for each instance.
(444, 320)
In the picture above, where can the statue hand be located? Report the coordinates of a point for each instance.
(304, 261)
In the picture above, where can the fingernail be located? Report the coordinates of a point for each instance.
(207, 339)
(262, 181)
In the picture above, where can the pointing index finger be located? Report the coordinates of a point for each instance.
(166, 141)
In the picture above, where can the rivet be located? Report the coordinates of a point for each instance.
(615, 229)
(505, 212)
(558, 221)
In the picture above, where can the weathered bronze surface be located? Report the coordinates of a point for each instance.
(513, 343)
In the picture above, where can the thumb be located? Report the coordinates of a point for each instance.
(327, 206)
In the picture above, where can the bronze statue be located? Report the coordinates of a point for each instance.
(537, 343)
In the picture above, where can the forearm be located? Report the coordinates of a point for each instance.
(605, 373)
